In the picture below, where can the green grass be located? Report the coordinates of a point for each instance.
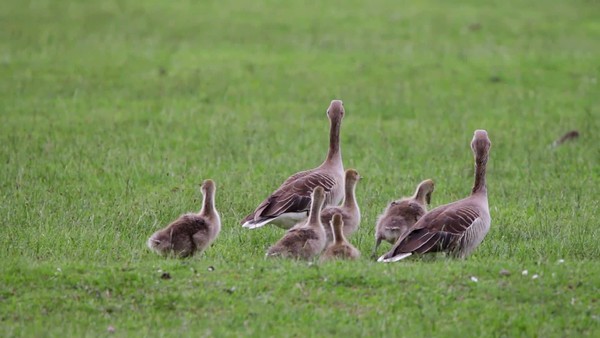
(112, 113)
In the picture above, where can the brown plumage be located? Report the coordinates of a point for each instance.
(191, 233)
(456, 228)
(290, 203)
(402, 214)
(571, 135)
(340, 248)
(348, 209)
(304, 240)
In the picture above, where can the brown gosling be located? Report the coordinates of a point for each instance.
(456, 228)
(306, 239)
(191, 233)
(348, 210)
(402, 214)
(340, 248)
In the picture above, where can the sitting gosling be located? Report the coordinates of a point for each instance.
(190, 233)
(306, 239)
(340, 248)
(401, 214)
(348, 210)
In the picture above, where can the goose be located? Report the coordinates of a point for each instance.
(348, 209)
(289, 204)
(304, 240)
(571, 135)
(456, 228)
(402, 214)
(192, 232)
(340, 248)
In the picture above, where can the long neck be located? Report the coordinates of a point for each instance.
(338, 233)
(315, 212)
(480, 166)
(349, 199)
(208, 203)
(420, 195)
(335, 154)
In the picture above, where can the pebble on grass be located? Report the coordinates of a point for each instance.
(474, 279)
(504, 272)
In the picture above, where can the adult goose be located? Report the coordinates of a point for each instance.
(402, 214)
(348, 210)
(456, 228)
(191, 233)
(340, 248)
(304, 240)
(289, 204)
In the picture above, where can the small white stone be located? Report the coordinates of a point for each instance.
(474, 279)
(535, 276)
(525, 272)
(560, 261)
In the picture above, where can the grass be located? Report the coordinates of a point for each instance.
(112, 113)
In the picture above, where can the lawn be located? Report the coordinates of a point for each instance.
(113, 112)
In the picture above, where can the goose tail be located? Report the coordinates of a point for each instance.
(254, 225)
(396, 258)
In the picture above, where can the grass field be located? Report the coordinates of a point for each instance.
(113, 112)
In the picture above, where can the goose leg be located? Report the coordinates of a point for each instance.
(377, 242)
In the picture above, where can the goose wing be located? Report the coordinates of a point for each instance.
(293, 195)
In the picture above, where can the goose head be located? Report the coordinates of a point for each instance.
(424, 191)
(336, 110)
(208, 186)
(352, 177)
(160, 242)
(336, 221)
(481, 144)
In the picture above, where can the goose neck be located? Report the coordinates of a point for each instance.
(479, 185)
(338, 234)
(335, 154)
(208, 203)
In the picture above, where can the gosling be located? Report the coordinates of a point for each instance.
(191, 233)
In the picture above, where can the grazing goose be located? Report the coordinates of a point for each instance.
(305, 240)
(340, 248)
(348, 210)
(290, 202)
(402, 214)
(190, 233)
(457, 228)
(571, 135)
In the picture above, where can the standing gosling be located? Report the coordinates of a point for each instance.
(190, 233)
(340, 248)
(348, 210)
(305, 240)
(402, 214)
